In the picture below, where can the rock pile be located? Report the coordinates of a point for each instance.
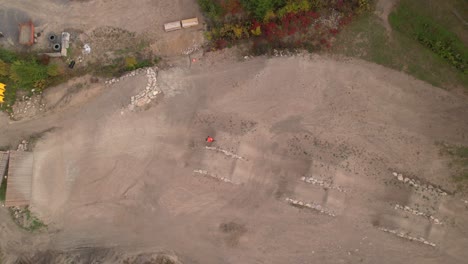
(225, 152)
(148, 94)
(205, 173)
(323, 183)
(406, 236)
(28, 106)
(313, 206)
(416, 212)
(23, 146)
(17, 211)
(416, 184)
(191, 49)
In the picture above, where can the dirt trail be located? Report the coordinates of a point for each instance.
(383, 9)
(133, 181)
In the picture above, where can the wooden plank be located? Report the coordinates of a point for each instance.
(171, 26)
(19, 184)
(191, 22)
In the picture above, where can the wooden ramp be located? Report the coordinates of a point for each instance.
(20, 171)
(4, 155)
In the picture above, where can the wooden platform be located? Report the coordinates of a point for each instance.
(20, 171)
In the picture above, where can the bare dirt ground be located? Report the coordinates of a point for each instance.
(145, 181)
(144, 18)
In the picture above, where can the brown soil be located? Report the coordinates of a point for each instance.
(109, 179)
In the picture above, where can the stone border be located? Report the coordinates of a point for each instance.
(125, 76)
(205, 173)
(225, 152)
(148, 94)
(313, 206)
(419, 213)
(323, 183)
(405, 236)
(417, 183)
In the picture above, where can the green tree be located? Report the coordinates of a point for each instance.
(259, 8)
(211, 8)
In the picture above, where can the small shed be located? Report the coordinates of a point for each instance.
(171, 26)
(19, 181)
(191, 22)
(26, 33)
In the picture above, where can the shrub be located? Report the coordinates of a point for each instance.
(211, 8)
(27, 73)
(231, 6)
(317, 4)
(53, 70)
(256, 29)
(259, 8)
(4, 68)
(294, 7)
(130, 63)
(430, 34)
(363, 6)
(269, 16)
(40, 84)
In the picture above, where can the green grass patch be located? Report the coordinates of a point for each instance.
(26, 220)
(459, 164)
(367, 38)
(408, 20)
(120, 66)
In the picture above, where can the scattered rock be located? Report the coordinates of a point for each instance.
(416, 184)
(225, 152)
(205, 173)
(419, 213)
(313, 206)
(23, 146)
(406, 236)
(323, 183)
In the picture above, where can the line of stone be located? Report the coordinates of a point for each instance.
(148, 94)
(225, 152)
(419, 213)
(405, 236)
(313, 206)
(322, 183)
(205, 173)
(130, 74)
(416, 183)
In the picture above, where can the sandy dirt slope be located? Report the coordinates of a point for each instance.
(146, 181)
